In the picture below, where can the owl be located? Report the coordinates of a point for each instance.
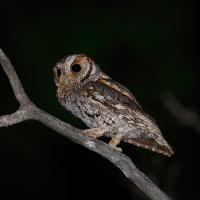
(105, 106)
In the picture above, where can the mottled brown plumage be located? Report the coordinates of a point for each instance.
(105, 106)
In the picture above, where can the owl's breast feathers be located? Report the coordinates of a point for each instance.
(114, 96)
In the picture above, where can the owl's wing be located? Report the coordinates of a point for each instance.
(120, 100)
(112, 94)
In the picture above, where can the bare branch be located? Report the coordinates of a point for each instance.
(28, 110)
(14, 80)
(14, 118)
(181, 113)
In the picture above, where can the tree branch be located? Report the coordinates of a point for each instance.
(14, 80)
(182, 114)
(14, 118)
(28, 110)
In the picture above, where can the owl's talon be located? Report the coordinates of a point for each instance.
(115, 141)
(95, 132)
(116, 148)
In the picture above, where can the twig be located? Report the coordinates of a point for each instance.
(184, 115)
(28, 110)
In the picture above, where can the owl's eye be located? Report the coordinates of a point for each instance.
(58, 73)
(76, 68)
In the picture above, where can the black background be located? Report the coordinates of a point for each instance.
(149, 47)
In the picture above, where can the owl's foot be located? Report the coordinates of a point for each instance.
(115, 141)
(96, 132)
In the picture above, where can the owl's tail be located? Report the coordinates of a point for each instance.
(151, 144)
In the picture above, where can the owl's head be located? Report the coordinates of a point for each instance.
(75, 70)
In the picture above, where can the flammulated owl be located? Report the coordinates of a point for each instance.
(105, 106)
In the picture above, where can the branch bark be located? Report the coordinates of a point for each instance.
(28, 110)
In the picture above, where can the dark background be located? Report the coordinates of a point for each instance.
(149, 47)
